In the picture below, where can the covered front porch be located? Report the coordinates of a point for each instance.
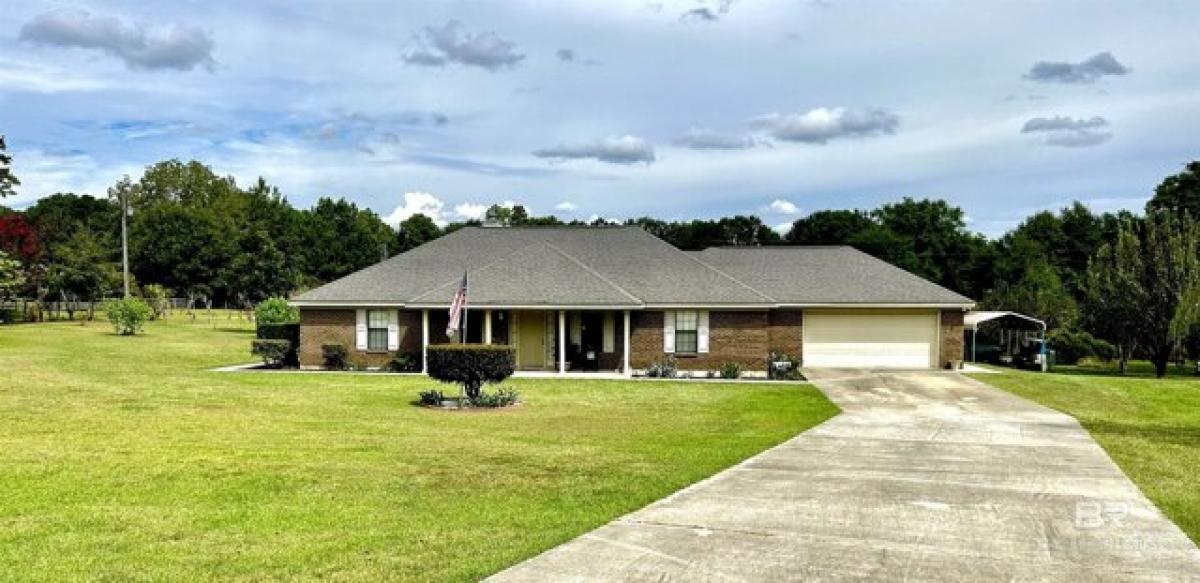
(555, 341)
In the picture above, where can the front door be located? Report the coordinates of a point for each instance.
(531, 340)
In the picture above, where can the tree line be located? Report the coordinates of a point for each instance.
(199, 235)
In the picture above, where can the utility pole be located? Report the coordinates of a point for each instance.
(124, 196)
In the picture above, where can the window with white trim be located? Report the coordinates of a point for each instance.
(687, 331)
(377, 330)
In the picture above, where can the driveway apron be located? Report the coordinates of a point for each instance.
(924, 476)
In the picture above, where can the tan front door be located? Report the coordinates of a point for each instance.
(531, 340)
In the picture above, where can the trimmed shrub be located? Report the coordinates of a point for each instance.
(334, 356)
(503, 397)
(470, 365)
(1071, 346)
(273, 352)
(731, 370)
(666, 368)
(404, 362)
(287, 332)
(276, 311)
(128, 316)
(432, 398)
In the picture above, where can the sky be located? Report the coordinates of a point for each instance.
(673, 109)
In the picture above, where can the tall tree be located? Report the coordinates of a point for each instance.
(182, 248)
(415, 231)
(19, 238)
(1179, 192)
(340, 239)
(1139, 287)
(12, 277)
(258, 269)
(82, 270)
(830, 227)
(1039, 293)
(58, 216)
(7, 179)
(190, 184)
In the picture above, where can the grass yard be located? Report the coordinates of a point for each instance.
(122, 458)
(1150, 427)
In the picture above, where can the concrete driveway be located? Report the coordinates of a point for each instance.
(925, 476)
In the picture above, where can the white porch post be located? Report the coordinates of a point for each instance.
(425, 341)
(628, 370)
(487, 326)
(562, 341)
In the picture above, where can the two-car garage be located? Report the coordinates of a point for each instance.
(870, 338)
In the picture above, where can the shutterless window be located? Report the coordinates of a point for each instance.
(377, 330)
(686, 333)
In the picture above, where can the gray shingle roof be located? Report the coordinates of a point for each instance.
(518, 266)
(622, 267)
(826, 275)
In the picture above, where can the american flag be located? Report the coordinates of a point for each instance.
(457, 307)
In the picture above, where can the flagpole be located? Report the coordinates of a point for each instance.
(462, 335)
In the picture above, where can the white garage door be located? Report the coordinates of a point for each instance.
(875, 339)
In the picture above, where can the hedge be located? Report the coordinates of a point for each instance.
(272, 352)
(289, 332)
(470, 365)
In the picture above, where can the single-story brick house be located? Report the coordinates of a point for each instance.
(618, 299)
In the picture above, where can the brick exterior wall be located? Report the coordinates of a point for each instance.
(951, 333)
(740, 337)
(785, 332)
(336, 326)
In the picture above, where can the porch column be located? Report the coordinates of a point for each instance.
(487, 326)
(562, 341)
(424, 341)
(628, 370)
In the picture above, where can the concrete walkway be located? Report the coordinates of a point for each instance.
(925, 476)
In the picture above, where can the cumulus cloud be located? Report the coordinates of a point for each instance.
(439, 46)
(702, 139)
(818, 126)
(783, 207)
(175, 46)
(1088, 71)
(417, 203)
(471, 210)
(433, 207)
(1069, 132)
(625, 149)
(565, 206)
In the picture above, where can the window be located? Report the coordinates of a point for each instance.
(377, 330)
(686, 332)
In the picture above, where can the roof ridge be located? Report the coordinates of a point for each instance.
(592, 271)
(467, 270)
(784, 247)
(693, 257)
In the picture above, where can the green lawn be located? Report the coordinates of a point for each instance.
(1150, 427)
(122, 458)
